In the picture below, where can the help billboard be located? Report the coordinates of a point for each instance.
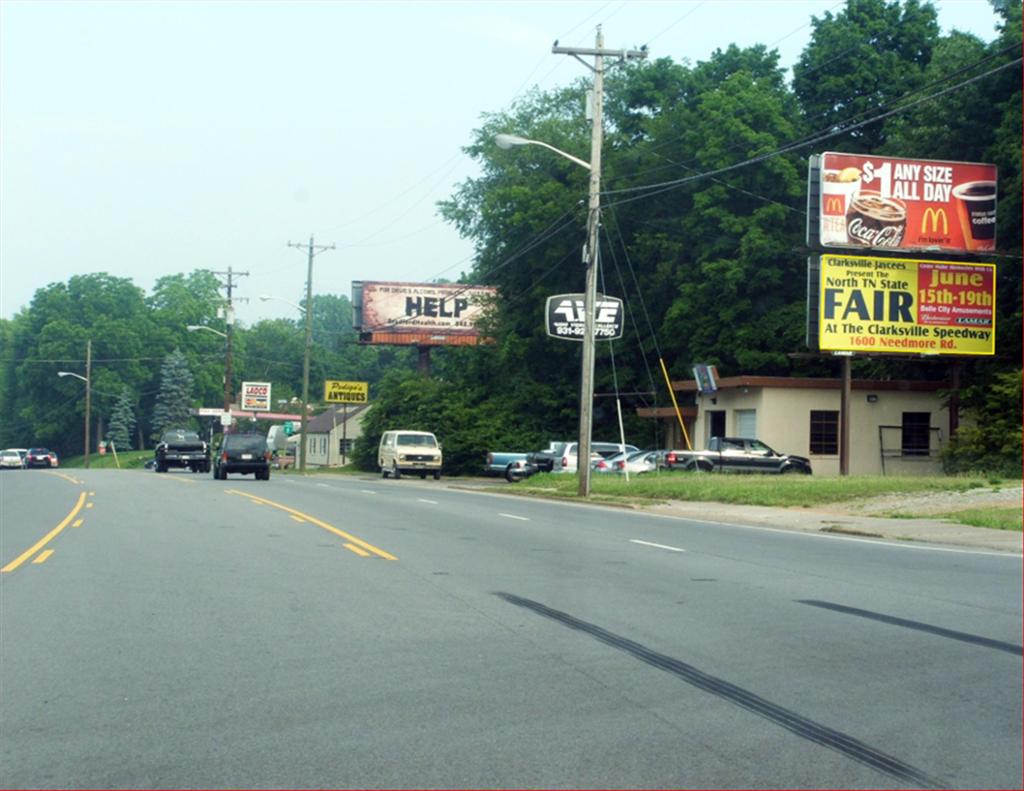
(885, 203)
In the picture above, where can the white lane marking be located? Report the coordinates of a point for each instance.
(659, 546)
(513, 516)
(421, 500)
(367, 491)
(325, 485)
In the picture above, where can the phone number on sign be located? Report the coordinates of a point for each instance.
(578, 331)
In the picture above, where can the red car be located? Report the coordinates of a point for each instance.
(40, 457)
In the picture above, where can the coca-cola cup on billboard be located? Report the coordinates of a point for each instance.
(976, 207)
(838, 188)
(875, 221)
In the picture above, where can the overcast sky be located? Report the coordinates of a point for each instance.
(150, 138)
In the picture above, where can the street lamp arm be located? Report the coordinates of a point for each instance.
(69, 373)
(507, 141)
(265, 297)
(196, 327)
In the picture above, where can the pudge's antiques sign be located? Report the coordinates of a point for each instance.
(885, 203)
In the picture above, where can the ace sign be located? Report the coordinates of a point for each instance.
(566, 317)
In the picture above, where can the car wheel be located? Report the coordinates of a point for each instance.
(266, 474)
(161, 467)
(384, 473)
(437, 475)
(423, 476)
(510, 474)
(395, 472)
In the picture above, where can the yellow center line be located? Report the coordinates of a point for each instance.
(45, 539)
(77, 523)
(43, 556)
(357, 550)
(64, 476)
(330, 528)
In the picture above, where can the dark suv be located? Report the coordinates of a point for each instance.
(244, 453)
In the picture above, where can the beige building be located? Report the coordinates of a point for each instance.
(897, 427)
(332, 435)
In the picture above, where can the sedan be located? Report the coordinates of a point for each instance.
(40, 457)
(10, 460)
(636, 462)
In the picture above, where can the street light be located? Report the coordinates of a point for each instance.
(88, 396)
(305, 372)
(590, 291)
(227, 358)
(195, 327)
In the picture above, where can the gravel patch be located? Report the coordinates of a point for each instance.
(935, 502)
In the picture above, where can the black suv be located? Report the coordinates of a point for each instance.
(244, 453)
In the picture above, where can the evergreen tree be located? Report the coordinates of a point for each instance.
(122, 421)
(175, 397)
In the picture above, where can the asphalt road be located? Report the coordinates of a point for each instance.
(356, 632)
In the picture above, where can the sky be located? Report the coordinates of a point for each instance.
(145, 139)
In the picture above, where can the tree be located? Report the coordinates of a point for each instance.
(175, 397)
(859, 61)
(122, 421)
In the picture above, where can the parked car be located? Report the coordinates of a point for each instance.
(41, 457)
(409, 452)
(243, 453)
(512, 466)
(635, 463)
(567, 461)
(23, 452)
(11, 460)
(737, 454)
(545, 460)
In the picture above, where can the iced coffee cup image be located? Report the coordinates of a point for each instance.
(838, 189)
(976, 208)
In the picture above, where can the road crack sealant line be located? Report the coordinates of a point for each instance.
(358, 542)
(47, 538)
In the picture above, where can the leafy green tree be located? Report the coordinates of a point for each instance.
(121, 427)
(859, 61)
(175, 397)
(989, 438)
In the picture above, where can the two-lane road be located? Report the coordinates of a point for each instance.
(177, 631)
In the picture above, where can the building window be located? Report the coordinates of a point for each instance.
(916, 433)
(824, 432)
(746, 423)
(345, 446)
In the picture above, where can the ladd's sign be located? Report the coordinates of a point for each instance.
(902, 306)
(907, 204)
(255, 396)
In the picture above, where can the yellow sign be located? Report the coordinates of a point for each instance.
(903, 306)
(336, 392)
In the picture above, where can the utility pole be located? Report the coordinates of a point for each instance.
(229, 320)
(591, 249)
(313, 251)
(88, 396)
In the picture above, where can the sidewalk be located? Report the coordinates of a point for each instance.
(807, 520)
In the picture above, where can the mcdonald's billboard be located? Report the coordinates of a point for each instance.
(884, 203)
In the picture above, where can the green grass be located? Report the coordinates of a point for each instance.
(129, 459)
(995, 517)
(769, 490)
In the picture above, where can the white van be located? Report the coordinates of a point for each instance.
(413, 452)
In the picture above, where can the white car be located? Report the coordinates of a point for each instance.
(598, 450)
(11, 460)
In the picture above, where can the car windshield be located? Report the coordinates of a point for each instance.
(253, 443)
(422, 440)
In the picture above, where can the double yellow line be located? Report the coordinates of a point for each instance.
(356, 545)
(45, 539)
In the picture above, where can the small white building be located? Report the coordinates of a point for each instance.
(331, 435)
(896, 427)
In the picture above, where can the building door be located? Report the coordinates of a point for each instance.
(714, 425)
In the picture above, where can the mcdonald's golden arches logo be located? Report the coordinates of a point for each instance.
(935, 215)
(834, 204)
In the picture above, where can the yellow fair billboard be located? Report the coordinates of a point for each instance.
(905, 306)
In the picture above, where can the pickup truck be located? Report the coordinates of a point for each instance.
(512, 466)
(179, 447)
(736, 454)
(545, 460)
